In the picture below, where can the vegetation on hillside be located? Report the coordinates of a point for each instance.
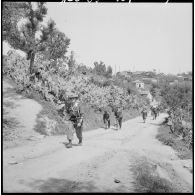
(178, 99)
(56, 83)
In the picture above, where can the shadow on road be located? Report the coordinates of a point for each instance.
(155, 124)
(66, 143)
(62, 185)
(114, 128)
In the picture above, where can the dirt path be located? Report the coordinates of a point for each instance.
(103, 164)
(22, 112)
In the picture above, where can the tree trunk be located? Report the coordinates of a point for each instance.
(32, 58)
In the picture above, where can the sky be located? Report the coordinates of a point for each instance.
(128, 36)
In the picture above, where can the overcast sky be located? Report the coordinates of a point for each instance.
(130, 36)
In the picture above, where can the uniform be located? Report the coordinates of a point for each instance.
(170, 123)
(106, 118)
(144, 114)
(76, 117)
(119, 117)
(158, 110)
(154, 111)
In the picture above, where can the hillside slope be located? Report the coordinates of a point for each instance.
(21, 114)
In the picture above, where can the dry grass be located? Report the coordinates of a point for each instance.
(167, 138)
(49, 110)
(10, 126)
(148, 181)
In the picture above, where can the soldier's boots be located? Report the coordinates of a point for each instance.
(69, 145)
(80, 143)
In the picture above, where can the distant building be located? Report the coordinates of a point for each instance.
(139, 84)
(138, 73)
(187, 78)
(154, 80)
(180, 78)
(126, 74)
(173, 82)
(149, 80)
(149, 74)
(146, 94)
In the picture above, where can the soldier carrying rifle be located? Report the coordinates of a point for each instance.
(76, 117)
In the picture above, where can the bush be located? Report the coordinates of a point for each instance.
(96, 91)
(147, 179)
(179, 99)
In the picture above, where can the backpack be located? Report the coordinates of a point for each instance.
(118, 113)
(75, 111)
(106, 116)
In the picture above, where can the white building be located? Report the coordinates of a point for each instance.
(139, 84)
(147, 94)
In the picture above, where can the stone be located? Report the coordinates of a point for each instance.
(116, 181)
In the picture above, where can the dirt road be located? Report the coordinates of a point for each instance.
(22, 112)
(103, 164)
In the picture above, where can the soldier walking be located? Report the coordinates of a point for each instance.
(106, 119)
(144, 114)
(119, 117)
(76, 117)
(154, 112)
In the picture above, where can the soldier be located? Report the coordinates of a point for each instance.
(144, 114)
(154, 112)
(76, 117)
(170, 124)
(158, 110)
(119, 117)
(106, 119)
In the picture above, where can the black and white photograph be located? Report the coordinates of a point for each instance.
(97, 97)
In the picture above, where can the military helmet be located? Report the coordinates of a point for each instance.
(72, 96)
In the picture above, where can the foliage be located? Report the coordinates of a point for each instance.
(24, 36)
(12, 12)
(179, 99)
(100, 81)
(101, 70)
(53, 87)
(109, 72)
(125, 83)
(56, 46)
(83, 69)
(154, 90)
(72, 61)
(179, 96)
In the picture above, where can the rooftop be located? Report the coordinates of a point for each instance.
(137, 81)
